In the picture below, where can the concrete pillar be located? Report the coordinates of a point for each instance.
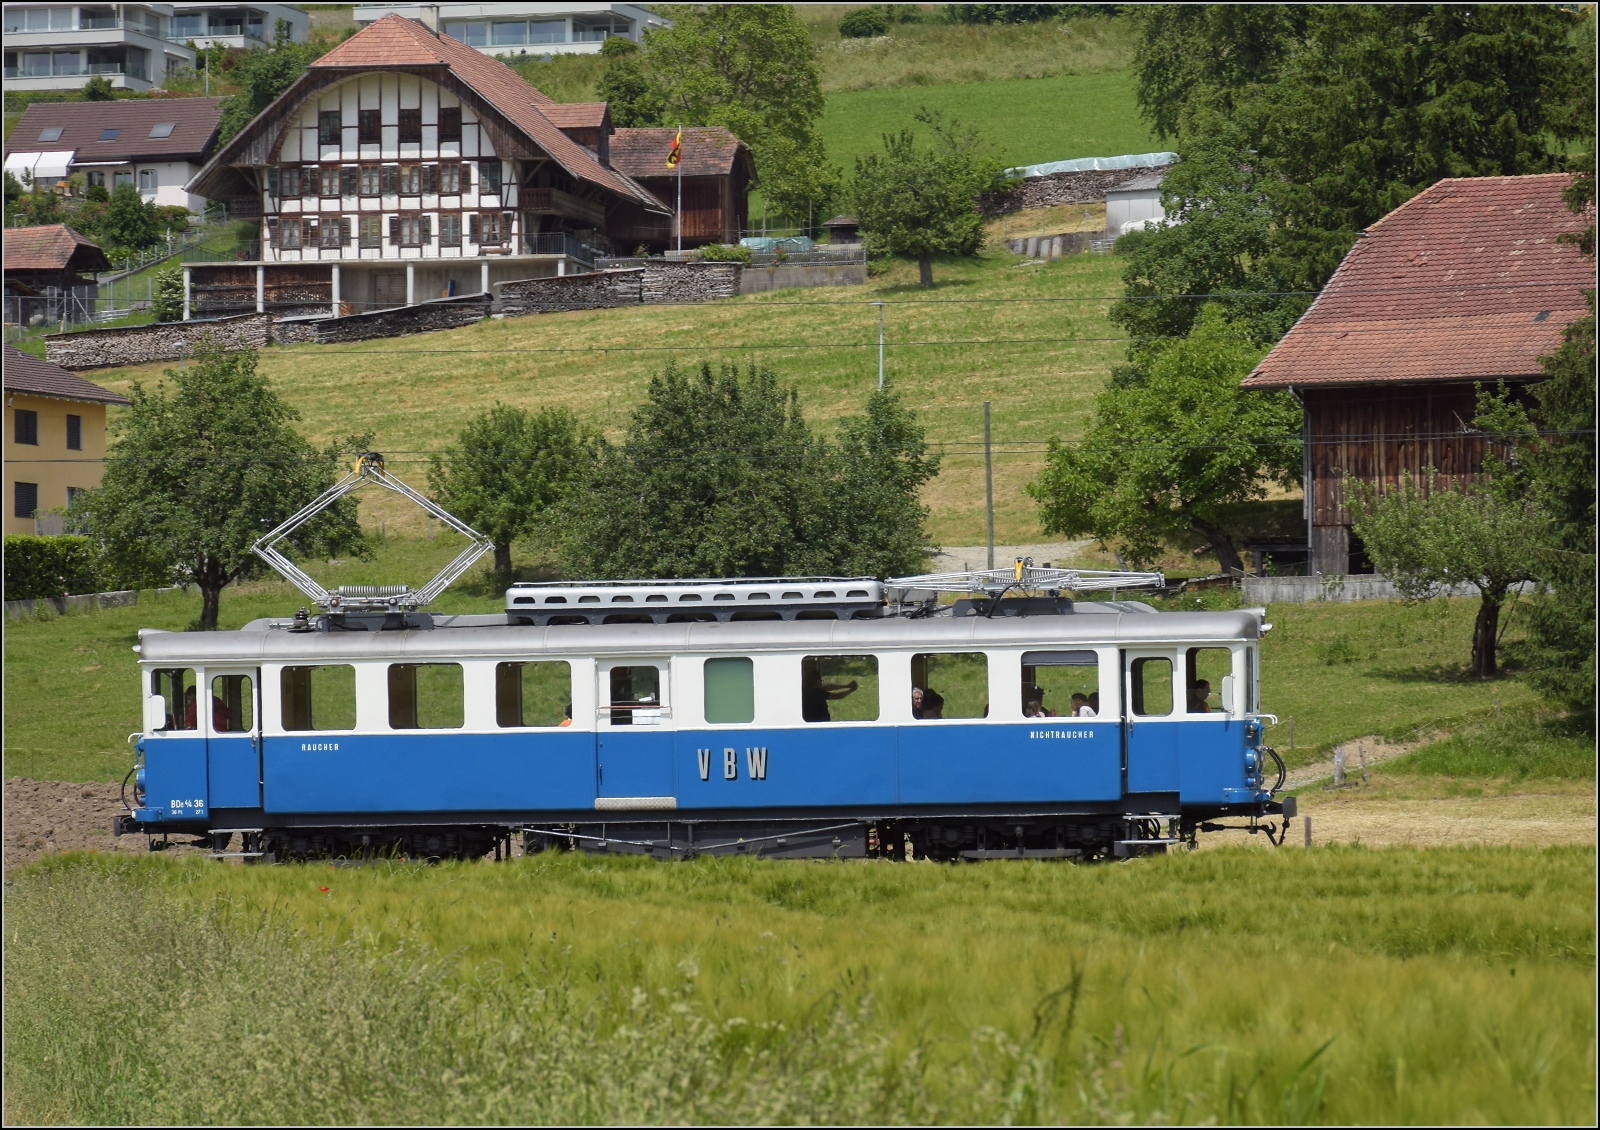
(187, 282)
(261, 290)
(485, 285)
(561, 266)
(411, 283)
(336, 290)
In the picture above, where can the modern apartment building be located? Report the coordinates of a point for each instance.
(525, 29)
(241, 27)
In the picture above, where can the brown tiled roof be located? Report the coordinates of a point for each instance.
(1466, 281)
(401, 43)
(708, 151)
(575, 115)
(53, 247)
(194, 128)
(27, 373)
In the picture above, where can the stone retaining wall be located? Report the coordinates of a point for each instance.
(755, 280)
(1087, 187)
(61, 605)
(424, 317)
(655, 282)
(160, 341)
(1053, 246)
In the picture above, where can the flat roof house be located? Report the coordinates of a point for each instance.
(241, 27)
(1468, 282)
(63, 46)
(55, 440)
(155, 144)
(525, 29)
(404, 165)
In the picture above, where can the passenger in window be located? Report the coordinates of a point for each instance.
(932, 704)
(1080, 706)
(567, 721)
(1094, 704)
(1197, 697)
(1033, 703)
(916, 702)
(815, 694)
(191, 709)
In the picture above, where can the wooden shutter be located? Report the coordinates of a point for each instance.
(344, 231)
(472, 228)
(309, 233)
(466, 177)
(449, 123)
(349, 181)
(427, 230)
(394, 230)
(430, 179)
(391, 180)
(272, 181)
(273, 236)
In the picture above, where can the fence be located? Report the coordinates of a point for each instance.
(30, 316)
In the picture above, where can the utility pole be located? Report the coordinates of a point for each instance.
(988, 481)
(680, 189)
(879, 305)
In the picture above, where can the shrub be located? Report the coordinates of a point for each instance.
(168, 303)
(864, 23)
(725, 253)
(39, 566)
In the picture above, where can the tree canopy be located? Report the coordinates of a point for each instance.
(921, 200)
(720, 476)
(508, 469)
(202, 466)
(261, 76)
(1168, 454)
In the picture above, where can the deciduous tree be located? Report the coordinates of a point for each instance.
(202, 466)
(509, 469)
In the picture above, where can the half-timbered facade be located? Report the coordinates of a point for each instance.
(404, 166)
(1466, 285)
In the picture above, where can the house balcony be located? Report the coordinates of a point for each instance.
(554, 202)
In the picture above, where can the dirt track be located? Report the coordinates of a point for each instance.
(45, 817)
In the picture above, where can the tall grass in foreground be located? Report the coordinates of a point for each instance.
(1345, 986)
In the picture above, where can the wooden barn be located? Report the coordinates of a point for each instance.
(717, 171)
(1467, 283)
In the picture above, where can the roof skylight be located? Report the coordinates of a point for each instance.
(162, 129)
(53, 133)
(110, 134)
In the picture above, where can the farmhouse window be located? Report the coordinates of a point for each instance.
(26, 500)
(335, 232)
(289, 181)
(449, 123)
(369, 180)
(74, 432)
(27, 426)
(430, 179)
(371, 231)
(328, 176)
(274, 232)
(311, 228)
(328, 132)
(391, 180)
(487, 228)
(450, 229)
(411, 231)
(290, 230)
(348, 180)
(489, 175)
(410, 180)
(411, 125)
(450, 179)
(370, 127)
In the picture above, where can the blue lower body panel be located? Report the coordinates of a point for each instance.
(1045, 760)
(175, 786)
(234, 772)
(822, 765)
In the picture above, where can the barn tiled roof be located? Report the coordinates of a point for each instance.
(52, 247)
(708, 151)
(27, 373)
(1466, 281)
(575, 115)
(397, 42)
(194, 128)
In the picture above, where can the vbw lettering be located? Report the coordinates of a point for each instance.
(755, 760)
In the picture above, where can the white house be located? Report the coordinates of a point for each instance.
(239, 26)
(62, 46)
(525, 29)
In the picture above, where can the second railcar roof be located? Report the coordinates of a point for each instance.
(261, 641)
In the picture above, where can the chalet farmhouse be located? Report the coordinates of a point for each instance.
(403, 166)
(1466, 284)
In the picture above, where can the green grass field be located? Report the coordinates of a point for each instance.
(1235, 986)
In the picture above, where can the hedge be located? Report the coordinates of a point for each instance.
(39, 566)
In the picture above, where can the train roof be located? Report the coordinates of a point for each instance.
(272, 640)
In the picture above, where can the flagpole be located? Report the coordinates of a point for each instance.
(680, 187)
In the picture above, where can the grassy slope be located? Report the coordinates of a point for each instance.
(417, 392)
(1339, 671)
(1340, 986)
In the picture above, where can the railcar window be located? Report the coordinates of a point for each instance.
(1152, 687)
(533, 694)
(730, 691)
(1205, 668)
(636, 698)
(1060, 684)
(839, 688)
(950, 685)
(232, 704)
(176, 686)
(319, 698)
(425, 696)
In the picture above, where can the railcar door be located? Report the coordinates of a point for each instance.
(1152, 719)
(233, 737)
(633, 752)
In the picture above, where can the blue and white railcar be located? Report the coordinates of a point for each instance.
(795, 733)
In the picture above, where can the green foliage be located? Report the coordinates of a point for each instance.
(167, 305)
(203, 468)
(922, 201)
(53, 566)
(98, 89)
(1008, 13)
(799, 181)
(96, 194)
(1307, 124)
(509, 469)
(721, 477)
(261, 77)
(130, 221)
(1168, 454)
(1518, 750)
(1428, 537)
(617, 47)
(863, 23)
(633, 99)
(725, 253)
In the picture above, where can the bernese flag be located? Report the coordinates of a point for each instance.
(677, 150)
